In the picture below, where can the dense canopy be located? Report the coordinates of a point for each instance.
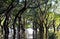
(41, 16)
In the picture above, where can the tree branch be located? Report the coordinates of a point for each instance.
(8, 7)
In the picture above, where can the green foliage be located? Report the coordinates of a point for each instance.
(32, 14)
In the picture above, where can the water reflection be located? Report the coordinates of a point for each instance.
(10, 33)
(28, 32)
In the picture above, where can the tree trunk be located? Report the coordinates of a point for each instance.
(46, 32)
(23, 32)
(19, 20)
(54, 25)
(14, 32)
(33, 30)
(41, 30)
(6, 29)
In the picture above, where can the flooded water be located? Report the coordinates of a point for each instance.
(28, 32)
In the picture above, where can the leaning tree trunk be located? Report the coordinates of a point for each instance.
(5, 24)
(20, 12)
